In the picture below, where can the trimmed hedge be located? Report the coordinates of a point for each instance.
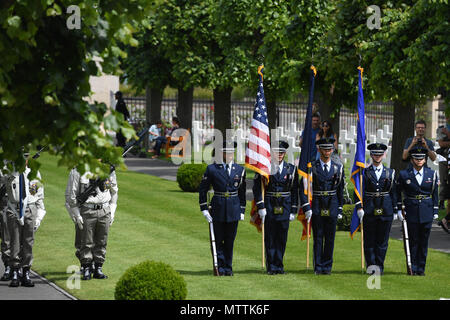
(151, 280)
(344, 223)
(189, 176)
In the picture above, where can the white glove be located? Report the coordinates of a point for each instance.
(291, 216)
(77, 215)
(262, 213)
(308, 215)
(242, 217)
(339, 216)
(207, 216)
(435, 217)
(37, 223)
(360, 213)
(113, 207)
(399, 215)
(395, 216)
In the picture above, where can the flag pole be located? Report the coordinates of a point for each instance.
(362, 225)
(308, 194)
(263, 249)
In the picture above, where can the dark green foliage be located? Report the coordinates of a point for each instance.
(189, 176)
(344, 223)
(150, 280)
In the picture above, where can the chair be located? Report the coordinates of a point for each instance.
(179, 146)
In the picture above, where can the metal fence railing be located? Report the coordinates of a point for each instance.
(378, 114)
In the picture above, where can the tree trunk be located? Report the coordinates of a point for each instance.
(184, 107)
(404, 117)
(153, 104)
(153, 99)
(222, 109)
(271, 104)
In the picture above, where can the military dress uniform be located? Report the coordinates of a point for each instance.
(22, 229)
(378, 208)
(93, 219)
(418, 192)
(227, 206)
(327, 201)
(281, 204)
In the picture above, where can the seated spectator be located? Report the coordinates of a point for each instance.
(326, 131)
(160, 140)
(153, 132)
(420, 140)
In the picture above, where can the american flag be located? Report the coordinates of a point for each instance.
(257, 155)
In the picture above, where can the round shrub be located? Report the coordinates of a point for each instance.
(189, 176)
(151, 280)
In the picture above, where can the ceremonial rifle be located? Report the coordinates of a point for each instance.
(406, 243)
(212, 240)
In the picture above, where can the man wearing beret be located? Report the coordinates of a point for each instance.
(378, 207)
(227, 205)
(327, 201)
(278, 207)
(419, 186)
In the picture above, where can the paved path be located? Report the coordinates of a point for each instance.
(439, 240)
(42, 290)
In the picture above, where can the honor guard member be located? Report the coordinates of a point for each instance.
(327, 201)
(25, 211)
(278, 208)
(92, 203)
(378, 207)
(227, 205)
(4, 233)
(419, 186)
(78, 223)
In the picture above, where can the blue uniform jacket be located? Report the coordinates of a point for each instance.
(287, 181)
(223, 209)
(333, 180)
(418, 210)
(386, 183)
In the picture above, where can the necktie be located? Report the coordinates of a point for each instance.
(325, 168)
(227, 168)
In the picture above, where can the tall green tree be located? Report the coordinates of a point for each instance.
(404, 60)
(45, 67)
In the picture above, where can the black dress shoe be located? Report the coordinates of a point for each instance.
(327, 272)
(25, 281)
(317, 272)
(281, 272)
(15, 282)
(7, 275)
(86, 272)
(98, 273)
(229, 273)
(271, 273)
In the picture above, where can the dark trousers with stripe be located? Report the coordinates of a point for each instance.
(225, 233)
(376, 240)
(419, 234)
(275, 233)
(324, 231)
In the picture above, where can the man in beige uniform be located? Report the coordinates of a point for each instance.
(22, 226)
(93, 218)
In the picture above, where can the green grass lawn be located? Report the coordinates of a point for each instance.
(155, 220)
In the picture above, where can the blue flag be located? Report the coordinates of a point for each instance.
(360, 156)
(306, 148)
